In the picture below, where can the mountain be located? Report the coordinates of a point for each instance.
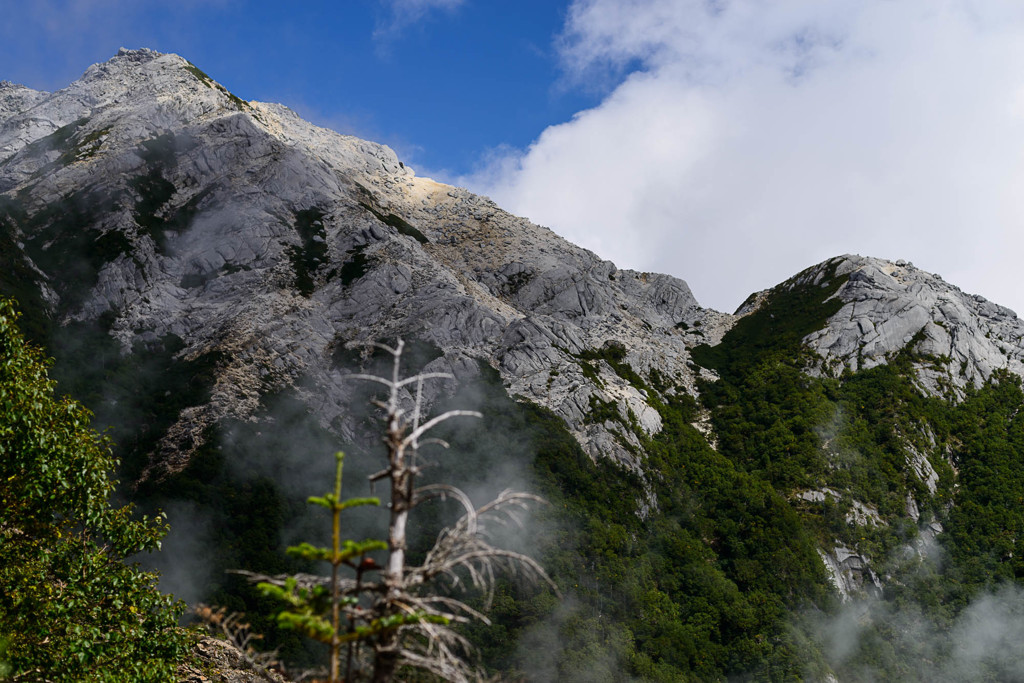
(235, 225)
(207, 272)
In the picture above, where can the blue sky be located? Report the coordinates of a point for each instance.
(731, 143)
(438, 80)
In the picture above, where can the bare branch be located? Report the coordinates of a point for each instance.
(400, 383)
(443, 491)
(425, 375)
(379, 475)
(376, 345)
(371, 378)
(435, 442)
(427, 426)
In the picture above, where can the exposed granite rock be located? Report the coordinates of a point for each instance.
(818, 495)
(860, 514)
(247, 232)
(17, 99)
(221, 662)
(850, 572)
(912, 510)
(960, 338)
(922, 467)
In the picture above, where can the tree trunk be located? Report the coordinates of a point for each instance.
(384, 666)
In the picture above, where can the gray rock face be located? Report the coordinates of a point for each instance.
(16, 99)
(851, 572)
(243, 230)
(222, 662)
(960, 338)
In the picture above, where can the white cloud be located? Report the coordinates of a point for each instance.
(404, 13)
(746, 140)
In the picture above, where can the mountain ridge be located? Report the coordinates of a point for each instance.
(565, 290)
(159, 230)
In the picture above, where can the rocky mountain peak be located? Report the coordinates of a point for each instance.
(245, 232)
(147, 90)
(240, 229)
(959, 338)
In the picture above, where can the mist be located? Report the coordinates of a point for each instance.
(285, 454)
(873, 639)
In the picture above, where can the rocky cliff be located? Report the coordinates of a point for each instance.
(962, 338)
(239, 228)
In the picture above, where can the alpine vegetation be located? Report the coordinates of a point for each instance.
(71, 609)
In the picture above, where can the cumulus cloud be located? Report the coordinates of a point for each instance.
(741, 141)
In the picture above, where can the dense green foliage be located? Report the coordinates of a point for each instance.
(403, 226)
(354, 266)
(56, 242)
(692, 581)
(18, 279)
(987, 522)
(154, 191)
(65, 239)
(312, 254)
(203, 78)
(856, 435)
(790, 312)
(71, 610)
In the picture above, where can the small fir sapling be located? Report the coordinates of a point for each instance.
(309, 603)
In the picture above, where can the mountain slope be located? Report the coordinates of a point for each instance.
(238, 227)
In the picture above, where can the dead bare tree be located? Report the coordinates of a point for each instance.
(423, 637)
(403, 617)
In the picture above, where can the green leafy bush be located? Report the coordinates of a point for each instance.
(71, 609)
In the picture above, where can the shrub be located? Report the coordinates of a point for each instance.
(70, 609)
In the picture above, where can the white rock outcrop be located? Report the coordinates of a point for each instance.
(850, 572)
(961, 338)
